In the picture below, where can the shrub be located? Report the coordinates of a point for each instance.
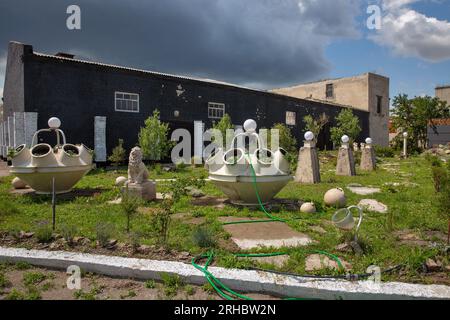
(44, 232)
(104, 232)
(346, 124)
(204, 237)
(223, 125)
(33, 278)
(153, 138)
(68, 232)
(118, 155)
(384, 152)
(135, 240)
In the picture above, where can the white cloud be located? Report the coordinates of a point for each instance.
(410, 33)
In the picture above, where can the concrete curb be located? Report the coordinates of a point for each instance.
(239, 280)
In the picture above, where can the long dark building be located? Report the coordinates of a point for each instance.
(100, 103)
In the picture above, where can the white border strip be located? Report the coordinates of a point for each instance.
(239, 280)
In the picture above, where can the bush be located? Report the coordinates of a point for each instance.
(8, 208)
(118, 155)
(384, 152)
(44, 232)
(69, 232)
(204, 238)
(104, 232)
(347, 124)
(153, 138)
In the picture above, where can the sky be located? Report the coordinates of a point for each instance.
(262, 44)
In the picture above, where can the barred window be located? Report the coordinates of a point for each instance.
(216, 110)
(291, 118)
(126, 102)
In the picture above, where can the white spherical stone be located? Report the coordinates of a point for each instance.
(120, 181)
(369, 141)
(405, 134)
(17, 183)
(345, 139)
(54, 123)
(308, 207)
(309, 136)
(250, 125)
(335, 198)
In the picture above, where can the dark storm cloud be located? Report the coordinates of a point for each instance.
(263, 43)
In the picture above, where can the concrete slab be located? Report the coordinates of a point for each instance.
(363, 191)
(238, 280)
(278, 261)
(267, 234)
(373, 205)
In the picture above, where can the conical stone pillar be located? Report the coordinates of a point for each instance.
(308, 169)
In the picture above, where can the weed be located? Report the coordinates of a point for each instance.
(4, 282)
(104, 232)
(33, 278)
(23, 266)
(15, 295)
(68, 232)
(190, 290)
(150, 284)
(172, 283)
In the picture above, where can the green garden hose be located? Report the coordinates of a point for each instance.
(224, 291)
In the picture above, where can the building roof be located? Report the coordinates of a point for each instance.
(440, 122)
(68, 59)
(445, 86)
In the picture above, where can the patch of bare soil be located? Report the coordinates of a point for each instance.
(52, 285)
(209, 201)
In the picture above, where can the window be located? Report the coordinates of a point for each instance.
(291, 118)
(216, 110)
(126, 102)
(379, 104)
(330, 91)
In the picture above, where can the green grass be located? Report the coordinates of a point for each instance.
(414, 207)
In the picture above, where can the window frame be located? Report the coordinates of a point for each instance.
(329, 85)
(212, 106)
(289, 116)
(123, 99)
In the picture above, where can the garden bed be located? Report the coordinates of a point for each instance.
(406, 189)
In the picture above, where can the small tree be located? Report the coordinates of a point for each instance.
(153, 138)
(223, 125)
(118, 155)
(129, 206)
(347, 124)
(414, 116)
(316, 125)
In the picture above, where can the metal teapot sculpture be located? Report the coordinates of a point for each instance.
(44, 167)
(246, 176)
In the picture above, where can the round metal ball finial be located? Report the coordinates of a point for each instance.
(309, 136)
(54, 123)
(369, 141)
(405, 134)
(250, 125)
(345, 139)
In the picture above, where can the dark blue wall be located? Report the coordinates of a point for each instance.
(76, 92)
